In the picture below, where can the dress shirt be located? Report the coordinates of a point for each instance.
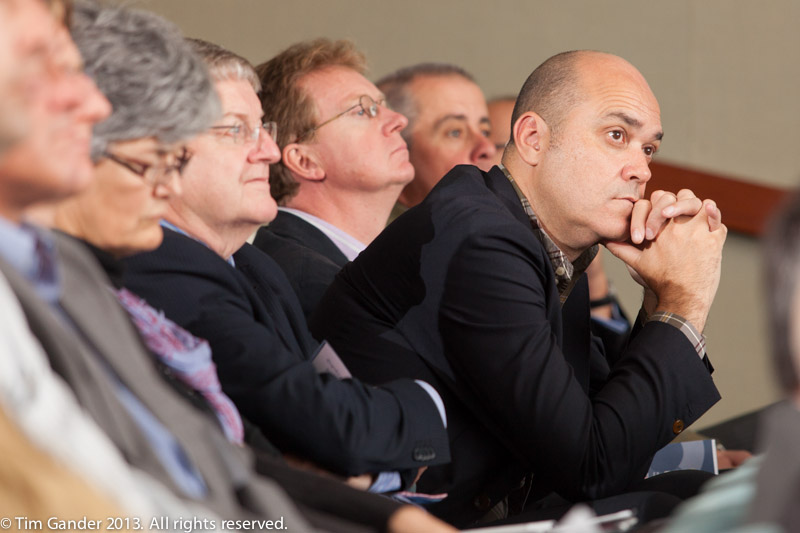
(349, 245)
(33, 255)
(176, 229)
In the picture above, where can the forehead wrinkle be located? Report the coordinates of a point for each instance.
(633, 111)
(239, 98)
(618, 85)
(241, 115)
(631, 121)
(352, 99)
(356, 95)
(626, 118)
(317, 76)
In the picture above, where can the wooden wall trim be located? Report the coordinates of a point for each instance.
(746, 207)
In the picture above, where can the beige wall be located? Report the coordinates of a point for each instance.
(726, 72)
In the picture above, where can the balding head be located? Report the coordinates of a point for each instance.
(563, 81)
(585, 129)
(550, 90)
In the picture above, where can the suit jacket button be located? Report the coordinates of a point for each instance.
(482, 503)
(678, 426)
(424, 454)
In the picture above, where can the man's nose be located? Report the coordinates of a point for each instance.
(95, 106)
(394, 121)
(483, 152)
(266, 150)
(170, 188)
(638, 169)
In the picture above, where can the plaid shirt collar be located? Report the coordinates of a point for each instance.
(567, 273)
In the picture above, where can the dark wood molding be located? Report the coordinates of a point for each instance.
(746, 206)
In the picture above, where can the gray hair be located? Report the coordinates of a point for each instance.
(399, 98)
(156, 84)
(224, 65)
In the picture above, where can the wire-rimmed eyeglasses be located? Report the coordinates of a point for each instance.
(369, 107)
(240, 132)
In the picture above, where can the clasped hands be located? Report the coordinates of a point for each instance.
(675, 253)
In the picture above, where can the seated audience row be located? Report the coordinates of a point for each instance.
(90, 341)
(177, 371)
(479, 291)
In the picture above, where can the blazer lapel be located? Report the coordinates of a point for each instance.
(87, 298)
(497, 182)
(295, 228)
(72, 359)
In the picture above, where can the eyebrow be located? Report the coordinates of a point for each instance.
(241, 116)
(461, 118)
(633, 122)
(357, 97)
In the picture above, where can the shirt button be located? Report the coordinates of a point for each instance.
(560, 271)
(678, 426)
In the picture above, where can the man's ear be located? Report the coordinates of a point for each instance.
(531, 135)
(302, 161)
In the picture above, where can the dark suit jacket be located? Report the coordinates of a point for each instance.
(460, 292)
(306, 255)
(261, 347)
(106, 342)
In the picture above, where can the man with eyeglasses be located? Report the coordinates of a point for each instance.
(210, 282)
(343, 162)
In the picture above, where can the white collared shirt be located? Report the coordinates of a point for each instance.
(347, 244)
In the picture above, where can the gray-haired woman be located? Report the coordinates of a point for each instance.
(161, 96)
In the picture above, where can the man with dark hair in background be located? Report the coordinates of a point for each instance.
(448, 123)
